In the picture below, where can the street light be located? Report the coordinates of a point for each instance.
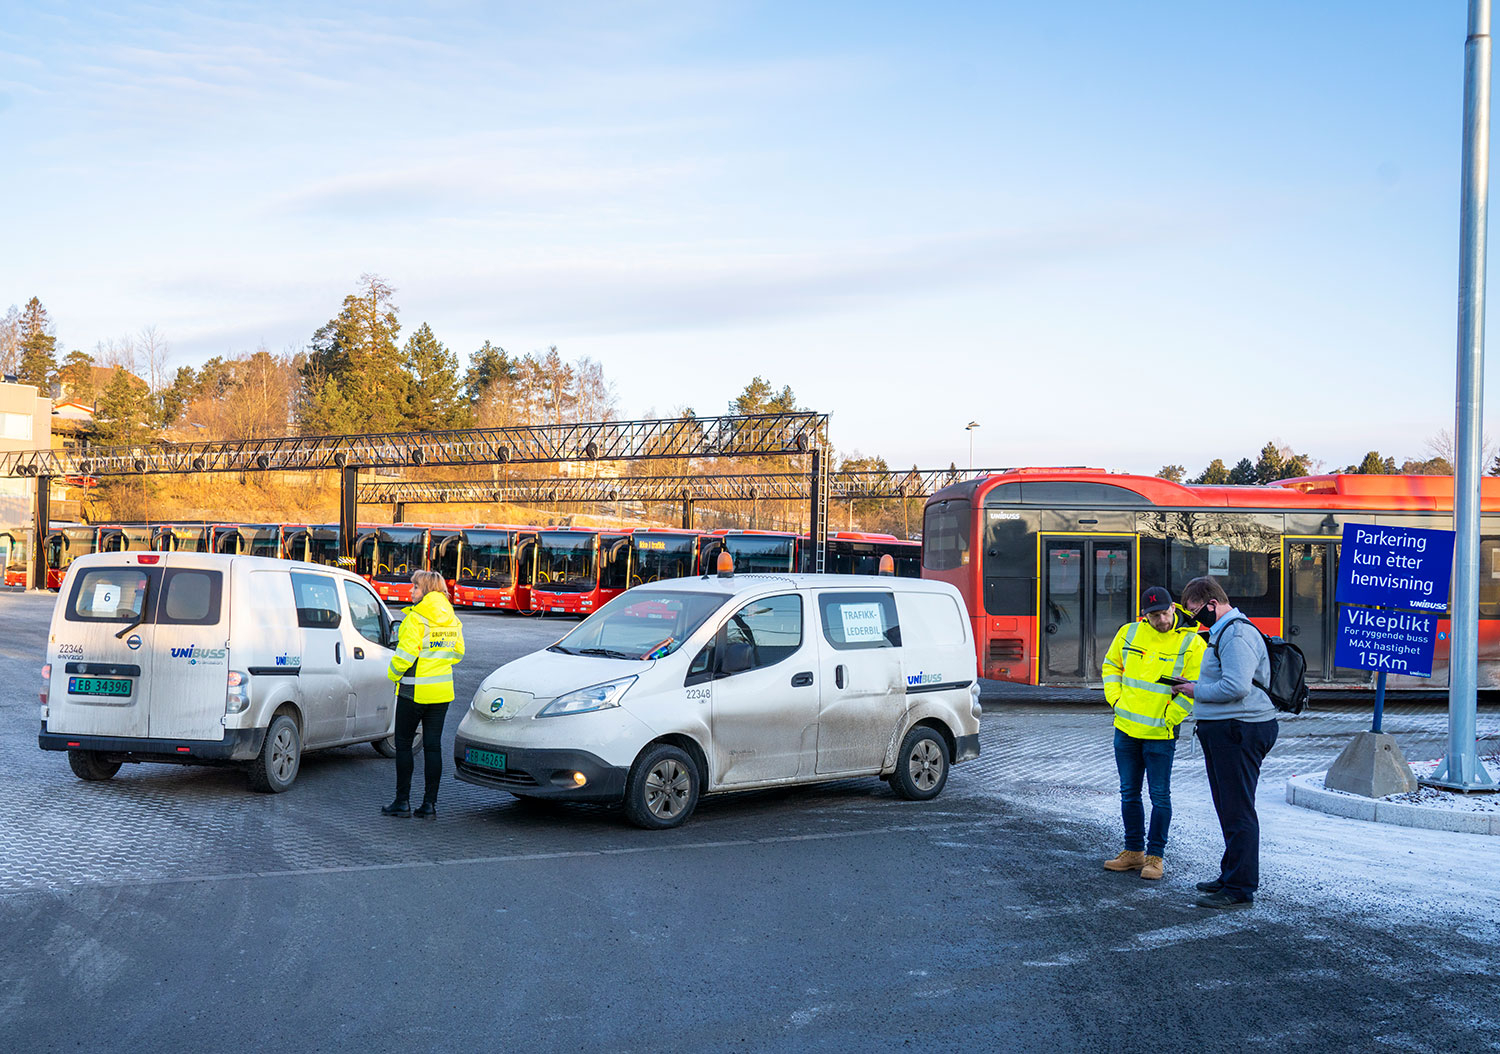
(970, 429)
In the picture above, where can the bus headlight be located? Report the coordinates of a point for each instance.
(586, 700)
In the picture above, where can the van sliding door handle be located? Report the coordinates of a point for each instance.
(838, 675)
(338, 651)
(801, 680)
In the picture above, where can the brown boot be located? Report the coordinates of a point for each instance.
(1129, 860)
(1153, 867)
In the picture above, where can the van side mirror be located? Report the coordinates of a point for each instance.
(738, 658)
(393, 633)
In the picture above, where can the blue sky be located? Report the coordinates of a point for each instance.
(1114, 234)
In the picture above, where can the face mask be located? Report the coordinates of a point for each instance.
(1205, 617)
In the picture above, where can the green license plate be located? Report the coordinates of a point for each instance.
(487, 758)
(113, 686)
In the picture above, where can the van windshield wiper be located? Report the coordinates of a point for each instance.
(561, 650)
(145, 600)
(608, 653)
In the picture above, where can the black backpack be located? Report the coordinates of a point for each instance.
(1288, 687)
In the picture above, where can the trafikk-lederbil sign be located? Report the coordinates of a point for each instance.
(1392, 590)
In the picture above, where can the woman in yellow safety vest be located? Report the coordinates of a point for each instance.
(1144, 661)
(430, 644)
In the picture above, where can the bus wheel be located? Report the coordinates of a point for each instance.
(90, 765)
(921, 766)
(280, 757)
(662, 790)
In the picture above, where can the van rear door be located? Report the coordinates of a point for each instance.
(103, 640)
(190, 659)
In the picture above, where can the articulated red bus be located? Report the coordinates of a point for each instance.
(15, 550)
(312, 543)
(125, 538)
(247, 539)
(1051, 562)
(754, 552)
(578, 570)
(66, 544)
(859, 553)
(180, 537)
(655, 555)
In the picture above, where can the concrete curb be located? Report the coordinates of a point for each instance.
(1300, 791)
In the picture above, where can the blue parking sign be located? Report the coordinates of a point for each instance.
(1396, 567)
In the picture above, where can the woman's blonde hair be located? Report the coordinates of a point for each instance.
(429, 582)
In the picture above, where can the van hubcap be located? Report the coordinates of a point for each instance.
(667, 786)
(283, 756)
(925, 765)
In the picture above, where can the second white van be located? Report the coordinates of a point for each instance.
(196, 658)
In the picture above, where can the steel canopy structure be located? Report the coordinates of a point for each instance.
(731, 435)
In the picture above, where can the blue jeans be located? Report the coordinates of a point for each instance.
(1151, 759)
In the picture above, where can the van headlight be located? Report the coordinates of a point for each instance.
(597, 697)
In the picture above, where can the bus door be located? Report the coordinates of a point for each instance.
(1087, 587)
(1309, 616)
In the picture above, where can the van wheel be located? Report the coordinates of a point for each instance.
(280, 757)
(662, 790)
(386, 747)
(921, 766)
(90, 765)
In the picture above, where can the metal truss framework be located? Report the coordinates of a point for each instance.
(770, 486)
(753, 435)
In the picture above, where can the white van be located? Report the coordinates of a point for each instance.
(199, 658)
(702, 685)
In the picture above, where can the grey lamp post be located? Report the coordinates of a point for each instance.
(970, 429)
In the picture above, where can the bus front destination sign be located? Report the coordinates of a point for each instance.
(1393, 588)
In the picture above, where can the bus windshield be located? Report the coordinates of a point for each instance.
(658, 556)
(398, 553)
(486, 559)
(641, 624)
(565, 562)
(322, 546)
(261, 541)
(758, 554)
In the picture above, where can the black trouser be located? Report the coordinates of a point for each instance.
(409, 714)
(1232, 753)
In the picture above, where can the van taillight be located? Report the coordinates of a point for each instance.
(46, 682)
(148, 558)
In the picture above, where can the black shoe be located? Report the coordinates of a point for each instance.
(396, 808)
(1210, 887)
(1223, 901)
(426, 811)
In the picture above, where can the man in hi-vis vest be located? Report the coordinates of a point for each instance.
(1145, 662)
(430, 644)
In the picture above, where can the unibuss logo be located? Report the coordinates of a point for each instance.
(496, 704)
(194, 654)
(923, 678)
(288, 660)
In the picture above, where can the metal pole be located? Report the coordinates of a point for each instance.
(1461, 768)
(41, 522)
(348, 512)
(1379, 702)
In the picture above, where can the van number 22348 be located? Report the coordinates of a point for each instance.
(700, 694)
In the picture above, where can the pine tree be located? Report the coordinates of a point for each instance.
(1374, 465)
(38, 348)
(77, 377)
(488, 366)
(352, 379)
(1268, 468)
(433, 400)
(1215, 474)
(119, 419)
(1243, 473)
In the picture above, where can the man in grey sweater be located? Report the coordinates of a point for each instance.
(1236, 723)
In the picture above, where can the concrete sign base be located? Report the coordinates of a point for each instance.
(1371, 765)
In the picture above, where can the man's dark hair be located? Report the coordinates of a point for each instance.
(1201, 590)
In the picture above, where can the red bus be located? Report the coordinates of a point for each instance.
(66, 544)
(1051, 562)
(15, 556)
(655, 555)
(578, 570)
(125, 538)
(387, 556)
(248, 539)
(180, 537)
(754, 552)
(859, 553)
(316, 543)
(490, 566)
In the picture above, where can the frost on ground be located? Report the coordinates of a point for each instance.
(1310, 862)
(1436, 797)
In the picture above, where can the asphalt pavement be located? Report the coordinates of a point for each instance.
(174, 909)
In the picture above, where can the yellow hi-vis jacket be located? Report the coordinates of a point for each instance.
(430, 644)
(1145, 708)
